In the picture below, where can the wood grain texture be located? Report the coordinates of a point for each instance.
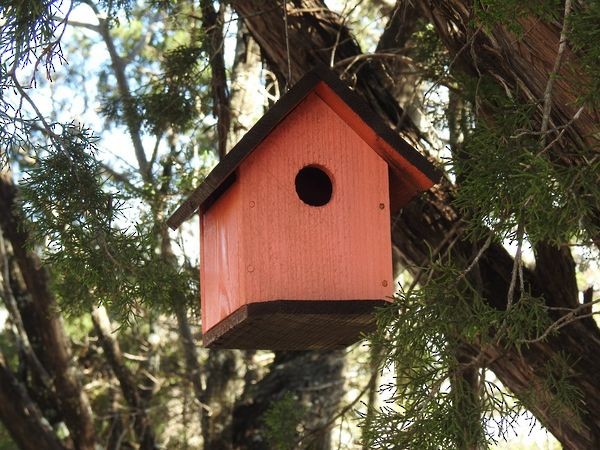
(221, 268)
(295, 325)
(427, 222)
(260, 242)
(409, 173)
(340, 250)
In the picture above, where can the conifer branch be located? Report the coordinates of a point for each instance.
(572, 316)
(517, 264)
(131, 116)
(562, 44)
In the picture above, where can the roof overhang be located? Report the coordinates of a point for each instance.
(410, 172)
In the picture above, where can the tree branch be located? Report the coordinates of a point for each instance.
(426, 221)
(212, 23)
(112, 350)
(21, 416)
(562, 44)
(48, 329)
(131, 116)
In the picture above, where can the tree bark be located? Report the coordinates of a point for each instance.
(21, 417)
(524, 66)
(132, 119)
(431, 222)
(422, 226)
(223, 383)
(46, 326)
(212, 24)
(317, 36)
(396, 40)
(313, 377)
(141, 423)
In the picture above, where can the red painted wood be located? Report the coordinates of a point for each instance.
(260, 242)
(296, 251)
(221, 258)
(407, 179)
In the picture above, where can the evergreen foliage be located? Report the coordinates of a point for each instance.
(5, 442)
(423, 336)
(511, 188)
(493, 12)
(78, 220)
(27, 31)
(169, 100)
(507, 179)
(584, 33)
(102, 236)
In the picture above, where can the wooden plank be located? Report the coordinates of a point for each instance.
(410, 173)
(398, 153)
(222, 275)
(295, 325)
(292, 250)
(242, 149)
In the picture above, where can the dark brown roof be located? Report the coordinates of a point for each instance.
(400, 155)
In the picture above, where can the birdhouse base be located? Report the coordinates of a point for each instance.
(295, 325)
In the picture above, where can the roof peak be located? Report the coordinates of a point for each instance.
(400, 156)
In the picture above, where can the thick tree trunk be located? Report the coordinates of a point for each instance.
(422, 226)
(44, 325)
(214, 44)
(313, 378)
(524, 66)
(21, 416)
(317, 36)
(395, 44)
(431, 222)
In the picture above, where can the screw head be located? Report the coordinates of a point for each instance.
(382, 206)
(250, 268)
(252, 204)
(384, 283)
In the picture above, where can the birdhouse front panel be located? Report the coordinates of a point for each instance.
(320, 226)
(306, 219)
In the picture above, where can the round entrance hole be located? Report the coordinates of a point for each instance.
(314, 186)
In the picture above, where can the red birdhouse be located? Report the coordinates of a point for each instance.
(295, 222)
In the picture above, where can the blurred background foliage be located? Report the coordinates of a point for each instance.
(111, 114)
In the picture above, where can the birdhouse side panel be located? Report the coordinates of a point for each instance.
(337, 250)
(221, 280)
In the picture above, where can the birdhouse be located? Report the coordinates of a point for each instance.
(295, 222)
